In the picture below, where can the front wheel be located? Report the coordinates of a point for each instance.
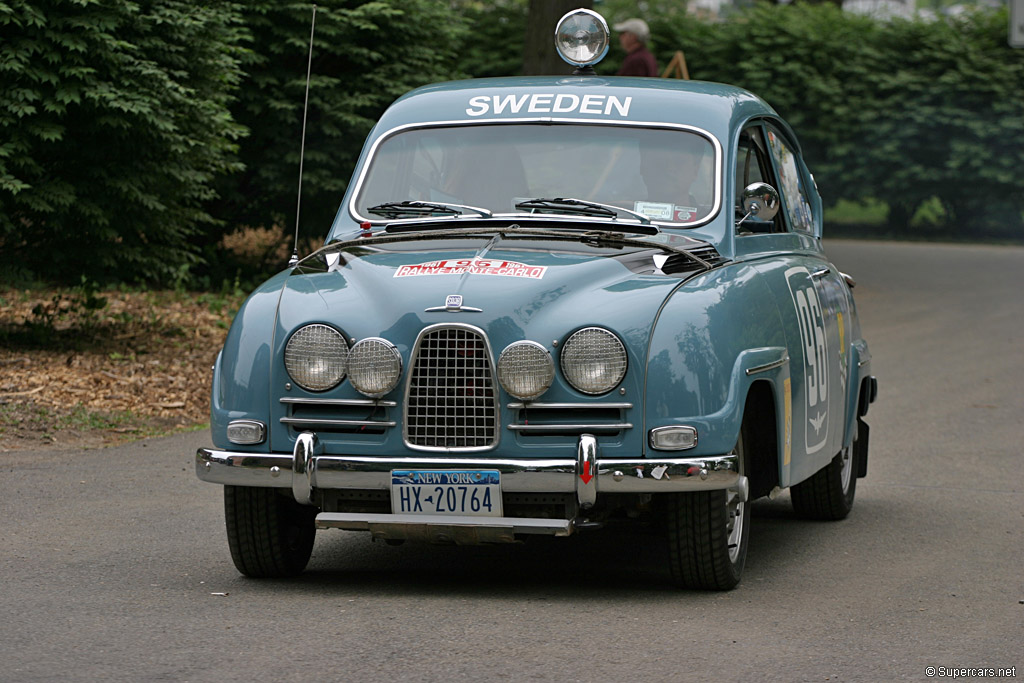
(269, 534)
(707, 535)
(828, 494)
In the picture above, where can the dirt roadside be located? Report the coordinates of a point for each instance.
(87, 369)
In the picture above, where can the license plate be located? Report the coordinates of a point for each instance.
(446, 492)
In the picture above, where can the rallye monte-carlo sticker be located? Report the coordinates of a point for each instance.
(472, 267)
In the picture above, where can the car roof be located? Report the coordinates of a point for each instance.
(713, 107)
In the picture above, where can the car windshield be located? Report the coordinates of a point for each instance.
(667, 174)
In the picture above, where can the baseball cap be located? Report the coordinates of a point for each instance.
(638, 27)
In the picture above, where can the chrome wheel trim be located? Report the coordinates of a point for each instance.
(734, 523)
(846, 473)
(734, 509)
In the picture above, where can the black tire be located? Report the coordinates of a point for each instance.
(829, 493)
(269, 534)
(706, 549)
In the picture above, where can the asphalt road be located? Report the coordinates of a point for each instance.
(114, 563)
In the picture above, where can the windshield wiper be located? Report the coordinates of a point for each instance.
(418, 208)
(580, 206)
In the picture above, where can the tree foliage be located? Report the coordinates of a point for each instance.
(113, 126)
(495, 37)
(365, 55)
(539, 54)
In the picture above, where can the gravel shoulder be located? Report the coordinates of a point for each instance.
(88, 369)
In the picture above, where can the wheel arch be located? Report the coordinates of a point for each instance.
(761, 431)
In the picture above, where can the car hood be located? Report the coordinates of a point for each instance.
(510, 290)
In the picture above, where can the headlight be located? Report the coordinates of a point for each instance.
(525, 369)
(374, 366)
(315, 357)
(594, 360)
(581, 37)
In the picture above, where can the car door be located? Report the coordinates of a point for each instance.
(806, 289)
(818, 297)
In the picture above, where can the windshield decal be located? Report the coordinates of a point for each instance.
(549, 103)
(661, 211)
(473, 267)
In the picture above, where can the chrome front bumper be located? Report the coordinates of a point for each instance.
(586, 475)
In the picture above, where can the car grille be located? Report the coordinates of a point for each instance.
(451, 403)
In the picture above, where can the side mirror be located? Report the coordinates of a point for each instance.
(760, 201)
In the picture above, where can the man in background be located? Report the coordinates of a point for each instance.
(633, 36)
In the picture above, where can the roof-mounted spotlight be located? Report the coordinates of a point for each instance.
(582, 39)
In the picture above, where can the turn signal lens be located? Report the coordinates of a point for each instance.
(246, 432)
(673, 438)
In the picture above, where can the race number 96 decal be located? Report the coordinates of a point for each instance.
(815, 351)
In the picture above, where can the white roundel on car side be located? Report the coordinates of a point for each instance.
(814, 345)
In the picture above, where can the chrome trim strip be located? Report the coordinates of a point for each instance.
(718, 191)
(518, 475)
(326, 422)
(354, 402)
(442, 527)
(460, 309)
(768, 366)
(563, 427)
(243, 469)
(698, 473)
(550, 475)
(528, 405)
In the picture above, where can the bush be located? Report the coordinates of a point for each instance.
(113, 125)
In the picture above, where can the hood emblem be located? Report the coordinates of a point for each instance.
(453, 304)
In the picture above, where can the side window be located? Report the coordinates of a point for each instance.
(794, 197)
(753, 166)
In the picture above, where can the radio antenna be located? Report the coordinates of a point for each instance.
(294, 260)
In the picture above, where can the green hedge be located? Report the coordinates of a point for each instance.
(898, 111)
(908, 113)
(113, 126)
(133, 135)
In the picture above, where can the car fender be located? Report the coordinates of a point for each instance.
(714, 337)
(241, 373)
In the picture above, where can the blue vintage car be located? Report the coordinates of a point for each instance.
(546, 305)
